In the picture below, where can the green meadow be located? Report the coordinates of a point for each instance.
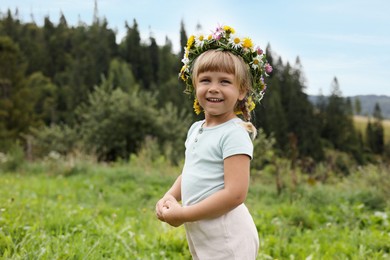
(77, 209)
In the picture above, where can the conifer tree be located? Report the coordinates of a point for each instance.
(338, 128)
(131, 49)
(375, 132)
(358, 106)
(183, 38)
(16, 112)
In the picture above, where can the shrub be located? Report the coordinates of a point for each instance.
(13, 160)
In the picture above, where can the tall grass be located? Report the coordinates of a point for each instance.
(84, 210)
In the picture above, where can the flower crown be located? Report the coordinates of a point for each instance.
(224, 39)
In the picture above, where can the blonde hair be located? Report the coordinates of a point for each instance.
(225, 61)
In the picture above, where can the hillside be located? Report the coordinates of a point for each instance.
(367, 103)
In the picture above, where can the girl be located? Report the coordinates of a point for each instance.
(215, 177)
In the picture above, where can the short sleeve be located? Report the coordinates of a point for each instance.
(236, 141)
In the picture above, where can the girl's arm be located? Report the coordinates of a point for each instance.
(175, 190)
(174, 194)
(236, 177)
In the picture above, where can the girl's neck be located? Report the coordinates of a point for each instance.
(211, 121)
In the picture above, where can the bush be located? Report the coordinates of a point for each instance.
(13, 160)
(61, 139)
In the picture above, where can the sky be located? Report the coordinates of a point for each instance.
(347, 39)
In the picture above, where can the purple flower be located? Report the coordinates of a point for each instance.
(268, 68)
(259, 51)
(262, 79)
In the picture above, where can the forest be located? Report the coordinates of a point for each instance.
(74, 88)
(92, 133)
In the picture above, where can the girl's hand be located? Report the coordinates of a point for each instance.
(172, 213)
(160, 205)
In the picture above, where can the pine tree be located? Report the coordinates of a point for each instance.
(131, 49)
(338, 128)
(183, 38)
(375, 132)
(358, 106)
(16, 110)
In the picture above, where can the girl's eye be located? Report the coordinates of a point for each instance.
(225, 82)
(204, 80)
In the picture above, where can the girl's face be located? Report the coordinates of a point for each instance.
(218, 93)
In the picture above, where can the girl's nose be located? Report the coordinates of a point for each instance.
(213, 88)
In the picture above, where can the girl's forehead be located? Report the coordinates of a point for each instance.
(216, 73)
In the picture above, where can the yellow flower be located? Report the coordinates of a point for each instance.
(228, 29)
(251, 104)
(190, 41)
(247, 43)
(197, 107)
(182, 72)
(209, 37)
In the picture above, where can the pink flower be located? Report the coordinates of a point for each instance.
(259, 51)
(217, 36)
(218, 33)
(268, 68)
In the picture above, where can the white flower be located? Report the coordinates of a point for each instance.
(257, 62)
(235, 42)
(200, 40)
(186, 52)
(185, 61)
(380, 214)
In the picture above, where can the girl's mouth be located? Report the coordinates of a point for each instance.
(214, 100)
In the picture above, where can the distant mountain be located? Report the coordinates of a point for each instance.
(367, 103)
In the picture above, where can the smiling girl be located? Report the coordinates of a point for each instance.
(215, 179)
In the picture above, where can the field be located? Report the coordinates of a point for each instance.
(361, 124)
(81, 210)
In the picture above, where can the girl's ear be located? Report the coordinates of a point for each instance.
(242, 95)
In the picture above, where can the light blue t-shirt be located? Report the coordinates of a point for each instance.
(206, 149)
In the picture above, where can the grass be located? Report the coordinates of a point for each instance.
(107, 212)
(361, 125)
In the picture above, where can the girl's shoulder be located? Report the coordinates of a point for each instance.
(239, 128)
(195, 126)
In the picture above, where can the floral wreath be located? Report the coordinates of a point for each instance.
(223, 38)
